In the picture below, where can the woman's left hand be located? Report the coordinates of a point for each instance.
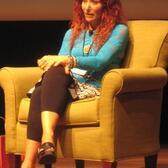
(49, 61)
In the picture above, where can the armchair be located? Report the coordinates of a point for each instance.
(123, 122)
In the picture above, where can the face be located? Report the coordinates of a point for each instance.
(92, 10)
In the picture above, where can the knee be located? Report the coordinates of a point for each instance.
(59, 70)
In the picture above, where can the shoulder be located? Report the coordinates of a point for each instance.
(120, 28)
(68, 32)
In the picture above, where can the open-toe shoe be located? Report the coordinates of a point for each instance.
(47, 153)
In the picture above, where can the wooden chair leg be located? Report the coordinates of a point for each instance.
(48, 166)
(79, 163)
(109, 165)
(13, 161)
(8, 160)
(18, 161)
(151, 161)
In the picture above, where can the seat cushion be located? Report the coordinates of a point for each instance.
(74, 115)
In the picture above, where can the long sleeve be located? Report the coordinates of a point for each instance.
(98, 63)
(65, 47)
(110, 53)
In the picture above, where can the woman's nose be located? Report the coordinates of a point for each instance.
(88, 6)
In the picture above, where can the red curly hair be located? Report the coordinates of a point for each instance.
(112, 14)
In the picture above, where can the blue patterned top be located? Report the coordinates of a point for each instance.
(98, 63)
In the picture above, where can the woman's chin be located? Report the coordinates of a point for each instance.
(89, 20)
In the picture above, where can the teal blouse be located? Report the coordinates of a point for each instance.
(96, 63)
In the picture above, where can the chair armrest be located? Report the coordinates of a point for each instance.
(119, 81)
(135, 80)
(125, 94)
(15, 82)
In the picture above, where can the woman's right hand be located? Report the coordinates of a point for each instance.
(48, 61)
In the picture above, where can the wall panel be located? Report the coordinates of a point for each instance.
(62, 9)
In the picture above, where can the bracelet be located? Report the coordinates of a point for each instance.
(73, 62)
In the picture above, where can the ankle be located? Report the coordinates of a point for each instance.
(46, 138)
(27, 165)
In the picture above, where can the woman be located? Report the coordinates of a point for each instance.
(96, 43)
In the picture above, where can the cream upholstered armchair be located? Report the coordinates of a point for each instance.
(123, 122)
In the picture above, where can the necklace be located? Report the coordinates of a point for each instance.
(86, 47)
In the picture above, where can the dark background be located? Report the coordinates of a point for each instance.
(23, 42)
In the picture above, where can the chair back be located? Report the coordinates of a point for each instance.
(148, 44)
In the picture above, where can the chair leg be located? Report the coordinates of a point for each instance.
(79, 163)
(13, 161)
(109, 165)
(48, 166)
(151, 161)
(18, 161)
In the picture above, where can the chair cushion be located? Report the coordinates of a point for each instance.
(74, 115)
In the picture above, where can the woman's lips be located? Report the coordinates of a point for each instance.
(89, 15)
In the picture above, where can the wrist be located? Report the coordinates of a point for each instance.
(72, 62)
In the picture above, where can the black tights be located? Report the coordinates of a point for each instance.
(50, 95)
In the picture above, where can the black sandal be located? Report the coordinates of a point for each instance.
(47, 153)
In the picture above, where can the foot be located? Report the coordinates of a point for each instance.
(47, 153)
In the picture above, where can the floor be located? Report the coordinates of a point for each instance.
(137, 162)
